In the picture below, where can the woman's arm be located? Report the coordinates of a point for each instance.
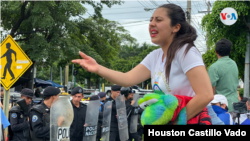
(137, 75)
(200, 82)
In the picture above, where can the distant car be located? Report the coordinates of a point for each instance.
(85, 102)
(139, 89)
(14, 96)
(108, 91)
(88, 93)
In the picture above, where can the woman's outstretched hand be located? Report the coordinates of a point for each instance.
(87, 63)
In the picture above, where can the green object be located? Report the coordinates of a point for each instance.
(224, 77)
(100, 87)
(74, 81)
(241, 91)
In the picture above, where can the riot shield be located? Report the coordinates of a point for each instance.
(122, 118)
(90, 126)
(134, 115)
(106, 121)
(61, 109)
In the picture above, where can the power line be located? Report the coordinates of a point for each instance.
(134, 25)
(134, 22)
(144, 5)
(149, 3)
(123, 8)
(124, 13)
(153, 3)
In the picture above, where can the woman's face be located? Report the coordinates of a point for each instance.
(160, 29)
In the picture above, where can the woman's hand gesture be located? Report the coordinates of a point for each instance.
(87, 63)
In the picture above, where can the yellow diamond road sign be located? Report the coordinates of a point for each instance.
(14, 62)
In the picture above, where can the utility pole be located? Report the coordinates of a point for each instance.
(246, 76)
(72, 73)
(33, 76)
(66, 76)
(51, 72)
(208, 8)
(189, 11)
(61, 74)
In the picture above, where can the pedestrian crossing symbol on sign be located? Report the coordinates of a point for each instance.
(14, 62)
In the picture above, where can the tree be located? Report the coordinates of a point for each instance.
(125, 65)
(236, 33)
(105, 38)
(45, 29)
(132, 50)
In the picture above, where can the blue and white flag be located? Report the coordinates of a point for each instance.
(243, 120)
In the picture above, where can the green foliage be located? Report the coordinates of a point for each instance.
(132, 50)
(236, 33)
(52, 33)
(209, 57)
(105, 37)
(127, 63)
(47, 30)
(241, 91)
(82, 85)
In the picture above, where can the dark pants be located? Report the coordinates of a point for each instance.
(98, 138)
(114, 136)
(140, 131)
(134, 136)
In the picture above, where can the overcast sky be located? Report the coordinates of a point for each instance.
(133, 11)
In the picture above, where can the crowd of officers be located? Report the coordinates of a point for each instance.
(32, 123)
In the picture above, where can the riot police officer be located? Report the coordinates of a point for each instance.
(40, 116)
(19, 117)
(114, 131)
(76, 128)
(128, 94)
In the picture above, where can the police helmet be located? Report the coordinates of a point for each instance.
(125, 91)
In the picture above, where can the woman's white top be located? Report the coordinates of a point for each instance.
(181, 64)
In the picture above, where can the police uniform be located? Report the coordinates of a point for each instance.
(18, 120)
(114, 130)
(130, 110)
(40, 118)
(76, 128)
(100, 118)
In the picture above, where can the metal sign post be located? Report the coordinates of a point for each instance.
(6, 106)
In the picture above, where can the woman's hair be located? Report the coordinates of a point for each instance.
(186, 34)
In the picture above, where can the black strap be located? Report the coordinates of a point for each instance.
(3, 132)
(15, 109)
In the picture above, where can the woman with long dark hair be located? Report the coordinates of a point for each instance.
(176, 68)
